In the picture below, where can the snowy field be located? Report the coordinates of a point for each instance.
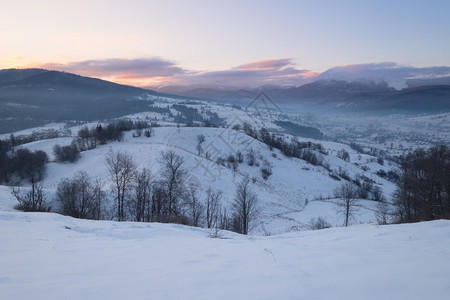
(49, 256)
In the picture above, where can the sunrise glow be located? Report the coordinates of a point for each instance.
(148, 43)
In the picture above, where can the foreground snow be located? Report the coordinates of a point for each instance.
(48, 256)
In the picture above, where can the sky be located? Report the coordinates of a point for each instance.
(251, 43)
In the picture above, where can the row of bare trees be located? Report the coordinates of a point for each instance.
(90, 138)
(142, 196)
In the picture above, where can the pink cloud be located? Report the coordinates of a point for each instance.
(147, 72)
(266, 64)
(138, 68)
(263, 72)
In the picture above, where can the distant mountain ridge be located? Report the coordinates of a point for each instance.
(379, 87)
(330, 94)
(31, 97)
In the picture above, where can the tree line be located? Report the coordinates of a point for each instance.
(170, 197)
(308, 151)
(422, 194)
(423, 189)
(90, 138)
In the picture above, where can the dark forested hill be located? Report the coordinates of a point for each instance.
(35, 96)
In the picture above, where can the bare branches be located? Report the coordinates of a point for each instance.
(347, 204)
(34, 200)
(142, 196)
(173, 179)
(212, 206)
(80, 197)
(122, 171)
(245, 206)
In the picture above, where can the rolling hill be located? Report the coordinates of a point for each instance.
(35, 96)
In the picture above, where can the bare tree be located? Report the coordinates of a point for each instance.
(173, 179)
(382, 213)
(142, 203)
(32, 166)
(99, 197)
(319, 223)
(159, 201)
(122, 171)
(224, 220)
(245, 206)
(377, 194)
(195, 207)
(266, 170)
(212, 207)
(347, 202)
(80, 197)
(86, 140)
(343, 154)
(34, 200)
(200, 140)
(251, 159)
(66, 153)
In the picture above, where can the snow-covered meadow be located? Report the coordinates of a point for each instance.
(49, 256)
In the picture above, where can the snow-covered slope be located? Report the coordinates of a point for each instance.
(295, 193)
(49, 256)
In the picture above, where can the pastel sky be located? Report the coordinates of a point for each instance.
(233, 42)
